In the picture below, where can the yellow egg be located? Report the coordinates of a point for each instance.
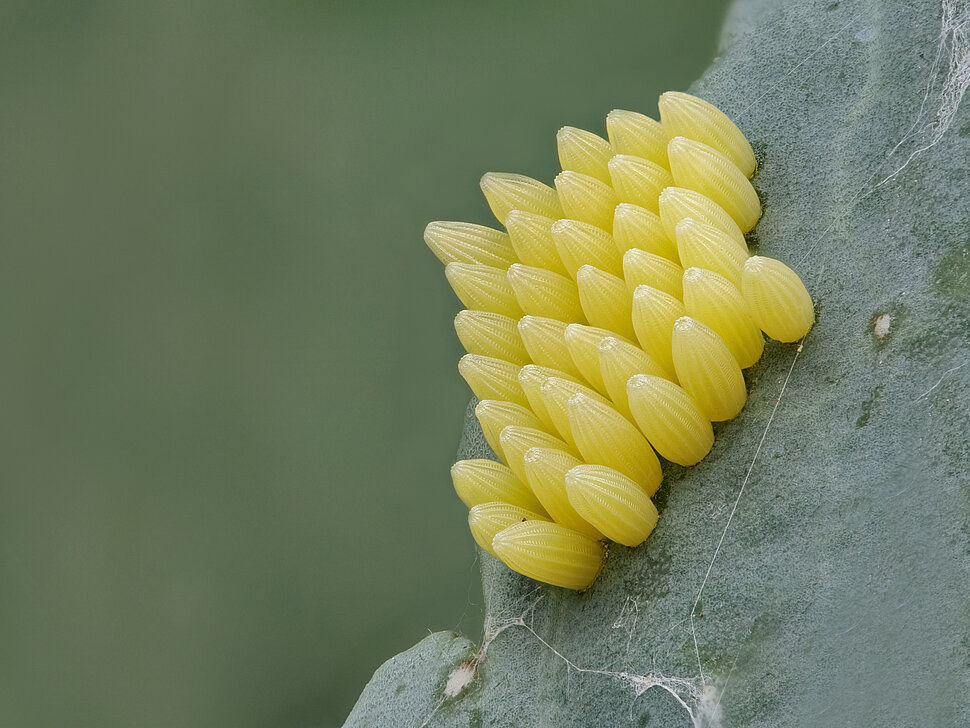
(584, 152)
(637, 134)
(531, 379)
(531, 238)
(677, 203)
(612, 502)
(580, 243)
(491, 334)
(540, 292)
(544, 340)
(620, 360)
(464, 242)
(506, 192)
(637, 227)
(517, 440)
(546, 469)
(689, 116)
(586, 199)
(550, 553)
(605, 299)
(583, 344)
(713, 300)
(638, 181)
(605, 437)
(483, 288)
(777, 299)
(482, 481)
(705, 246)
(555, 393)
(699, 167)
(654, 313)
(491, 378)
(670, 419)
(495, 415)
(641, 268)
(707, 370)
(488, 519)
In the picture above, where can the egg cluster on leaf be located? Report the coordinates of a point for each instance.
(607, 325)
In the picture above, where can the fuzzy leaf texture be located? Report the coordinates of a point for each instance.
(814, 569)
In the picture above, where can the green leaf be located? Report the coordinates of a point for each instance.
(814, 569)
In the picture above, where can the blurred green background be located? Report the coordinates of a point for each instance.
(229, 386)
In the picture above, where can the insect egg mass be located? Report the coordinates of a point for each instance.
(607, 324)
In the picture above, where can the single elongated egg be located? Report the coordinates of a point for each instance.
(531, 378)
(550, 553)
(670, 419)
(555, 394)
(546, 469)
(516, 440)
(641, 268)
(676, 203)
(506, 192)
(705, 246)
(605, 299)
(580, 243)
(545, 341)
(638, 181)
(583, 344)
(487, 519)
(713, 300)
(707, 370)
(689, 116)
(483, 481)
(699, 167)
(654, 313)
(637, 227)
(612, 502)
(605, 437)
(634, 133)
(777, 299)
(620, 360)
(465, 242)
(491, 378)
(491, 334)
(584, 152)
(586, 199)
(483, 288)
(531, 238)
(495, 415)
(540, 292)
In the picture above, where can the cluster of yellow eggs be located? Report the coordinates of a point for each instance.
(609, 324)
